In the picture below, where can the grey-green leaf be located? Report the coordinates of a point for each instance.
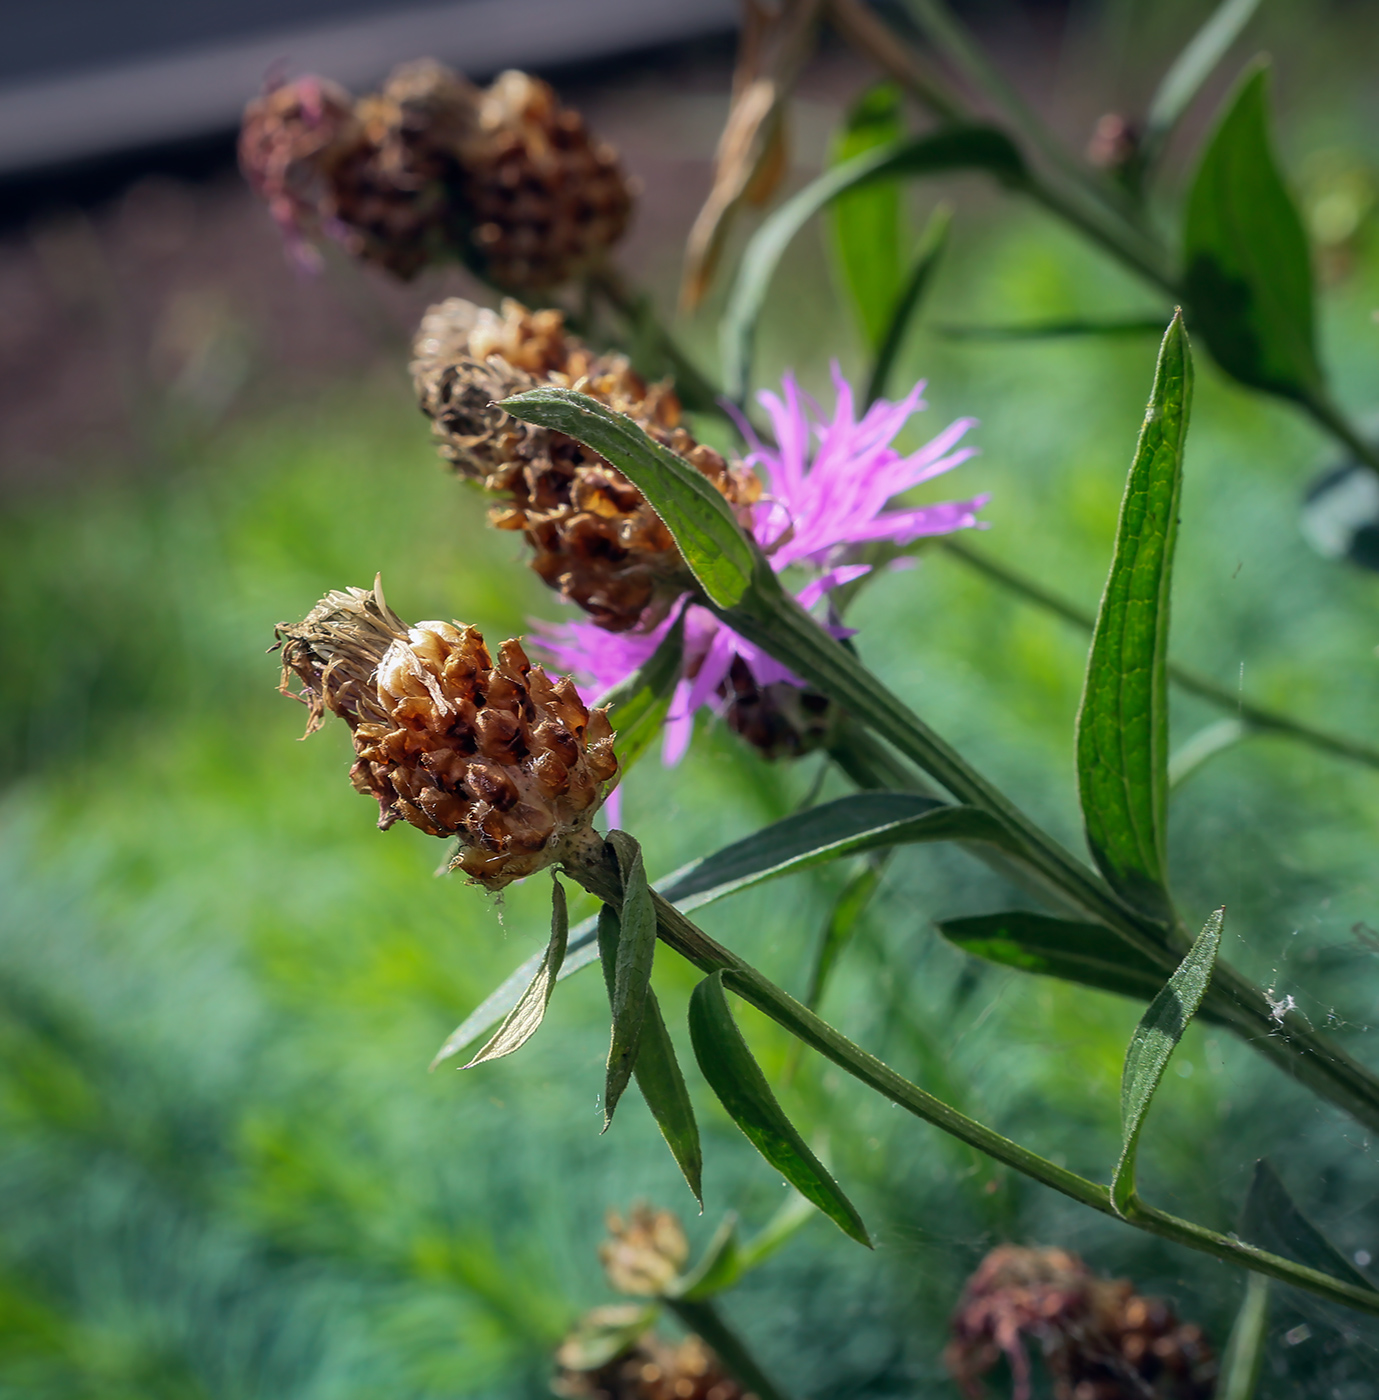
(1244, 1356)
(1247, 271)
(737, 1080)
(1122, 725)
(953, 148)
(632, 959)
(1271, 1220)
(865, 224)
(525, 1018)
(1153, 1043)
(639, 704)
(713, 544)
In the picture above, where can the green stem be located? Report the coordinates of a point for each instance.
(777, 624)
(1256, 717)
(704, 1319)
(599, 875)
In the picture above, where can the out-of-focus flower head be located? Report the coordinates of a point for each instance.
(826, 487)
(431, 168)
(497, 755)
(644, 1254)
(1100, 1339)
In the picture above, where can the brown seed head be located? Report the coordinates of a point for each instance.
(644, 1254)
(545, 198)
(1100, 1339)
(649, 1369)
(293, 141)
(596, 540)
(498, 755)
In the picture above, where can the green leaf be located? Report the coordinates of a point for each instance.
(639, 704)
(1244, 1358)
(1122, 726)
(525, 1018)
(864, 821)
(953, 148)
(1193, 66)
(633, 937)
(843, 918)
(1271, 1220)
(663, 1087)
(718, 553)
(847, 825)
(1154, 1040)
(865, 224)
(928, 252)
(1248, 274)
(742, 1090)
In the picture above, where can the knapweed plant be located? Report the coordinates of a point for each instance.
(720, 581)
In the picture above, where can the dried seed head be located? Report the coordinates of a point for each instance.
(1100, 1339)
(293, 141)
(498, 755)
(596, 539)
(647, 1369)
(644, 1254)
(392, 199)
(545, 199)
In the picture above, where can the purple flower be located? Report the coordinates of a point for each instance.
(827, 485)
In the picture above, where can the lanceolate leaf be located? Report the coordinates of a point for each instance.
(639, 704)
(1247, 271)
(717, 552)
(635, 947)
(954, 148)
(1194, 66)
(525, 1018)
(1154, 1040)
(742, 1089)
(848, 825)
(1271, 1220)
(663, 1087)
(1122, 727)
(865, 224)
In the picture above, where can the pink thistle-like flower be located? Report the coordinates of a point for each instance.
(827, 485)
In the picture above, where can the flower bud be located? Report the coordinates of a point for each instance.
(498, 755)
(644, 1254)
(1099, 1338)
(596, 539)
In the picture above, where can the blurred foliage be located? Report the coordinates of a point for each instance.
(224, 1171)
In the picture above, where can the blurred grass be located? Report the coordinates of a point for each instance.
(224, 1169)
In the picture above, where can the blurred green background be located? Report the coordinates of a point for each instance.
(224, 1170)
